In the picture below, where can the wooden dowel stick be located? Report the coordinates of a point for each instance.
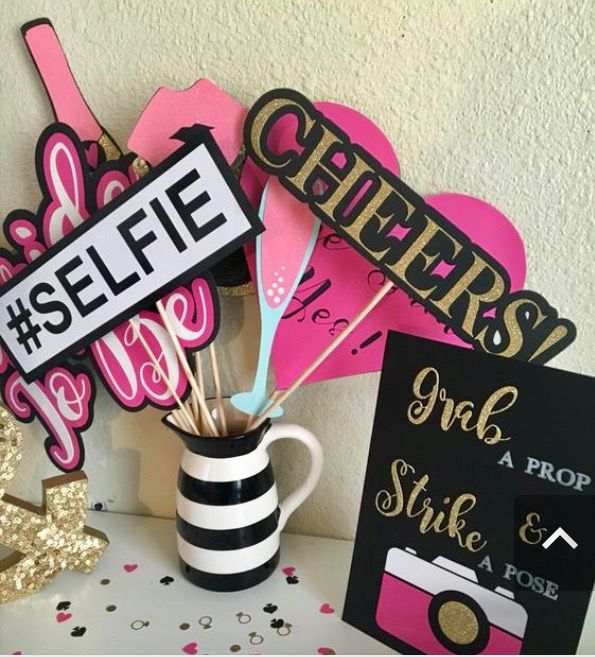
(363, 313)
(218, 395)
(200, 380)
(274, 394)
(189, 422)
(180, 420)
(186, 368)
(194, 402)
(195, 408)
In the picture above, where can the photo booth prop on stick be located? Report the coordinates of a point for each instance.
(364, 203)
(338, 282)
(88, 171)
(282, 254)
(165, 229)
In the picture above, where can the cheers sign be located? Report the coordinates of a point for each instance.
(173, 224)
(392, 226)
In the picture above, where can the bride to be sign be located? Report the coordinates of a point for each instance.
(170, 226)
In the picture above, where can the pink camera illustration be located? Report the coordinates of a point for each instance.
(439, 608)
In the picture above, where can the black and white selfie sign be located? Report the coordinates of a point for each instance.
(184, 216)
(475, 462)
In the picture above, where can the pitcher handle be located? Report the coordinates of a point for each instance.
(299, 495)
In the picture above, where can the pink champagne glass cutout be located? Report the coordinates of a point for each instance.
(282, 253)
(298, 342)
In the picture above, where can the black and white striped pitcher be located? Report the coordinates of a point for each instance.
(228, 513)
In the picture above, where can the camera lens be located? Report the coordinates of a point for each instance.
(459, 623)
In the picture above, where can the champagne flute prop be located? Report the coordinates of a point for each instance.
(282, 254)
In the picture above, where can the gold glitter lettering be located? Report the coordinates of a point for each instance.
(427, 392)
(446, 520)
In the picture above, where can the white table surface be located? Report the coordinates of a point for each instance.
(168, 614)
(32, 625)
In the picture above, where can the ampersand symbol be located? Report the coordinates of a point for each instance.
(45, 540)
(530, 532)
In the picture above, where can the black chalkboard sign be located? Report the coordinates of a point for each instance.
(479, 480)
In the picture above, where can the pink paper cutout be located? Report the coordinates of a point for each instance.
(170, 109)
(326, 301)
(63, 399)
(290, 356)
(68, 104)
(65, 184)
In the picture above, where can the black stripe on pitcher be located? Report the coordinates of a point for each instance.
(225, 492)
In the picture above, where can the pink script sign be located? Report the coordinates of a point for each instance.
(63, 399)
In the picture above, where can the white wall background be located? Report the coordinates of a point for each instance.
(491, 98)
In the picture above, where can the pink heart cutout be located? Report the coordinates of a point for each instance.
(130, 567)
(288, 570)
(308, 329)
(301, 337)
(325, 651)
(62, 617)
(326, 609)
(191, 648)
(92, 153)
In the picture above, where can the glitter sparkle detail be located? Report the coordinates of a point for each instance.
(45, 540)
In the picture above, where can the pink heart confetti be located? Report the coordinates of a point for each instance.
(62, 617)
(191, 648)
(288, 570)
(130, 567)
(325, 651)
(326, 609)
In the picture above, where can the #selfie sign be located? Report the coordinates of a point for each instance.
(475, 462)
(176, 222)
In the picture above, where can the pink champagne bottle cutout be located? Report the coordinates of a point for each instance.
(68, 104)
(282, 254)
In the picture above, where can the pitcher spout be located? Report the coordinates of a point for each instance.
(237, 444)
